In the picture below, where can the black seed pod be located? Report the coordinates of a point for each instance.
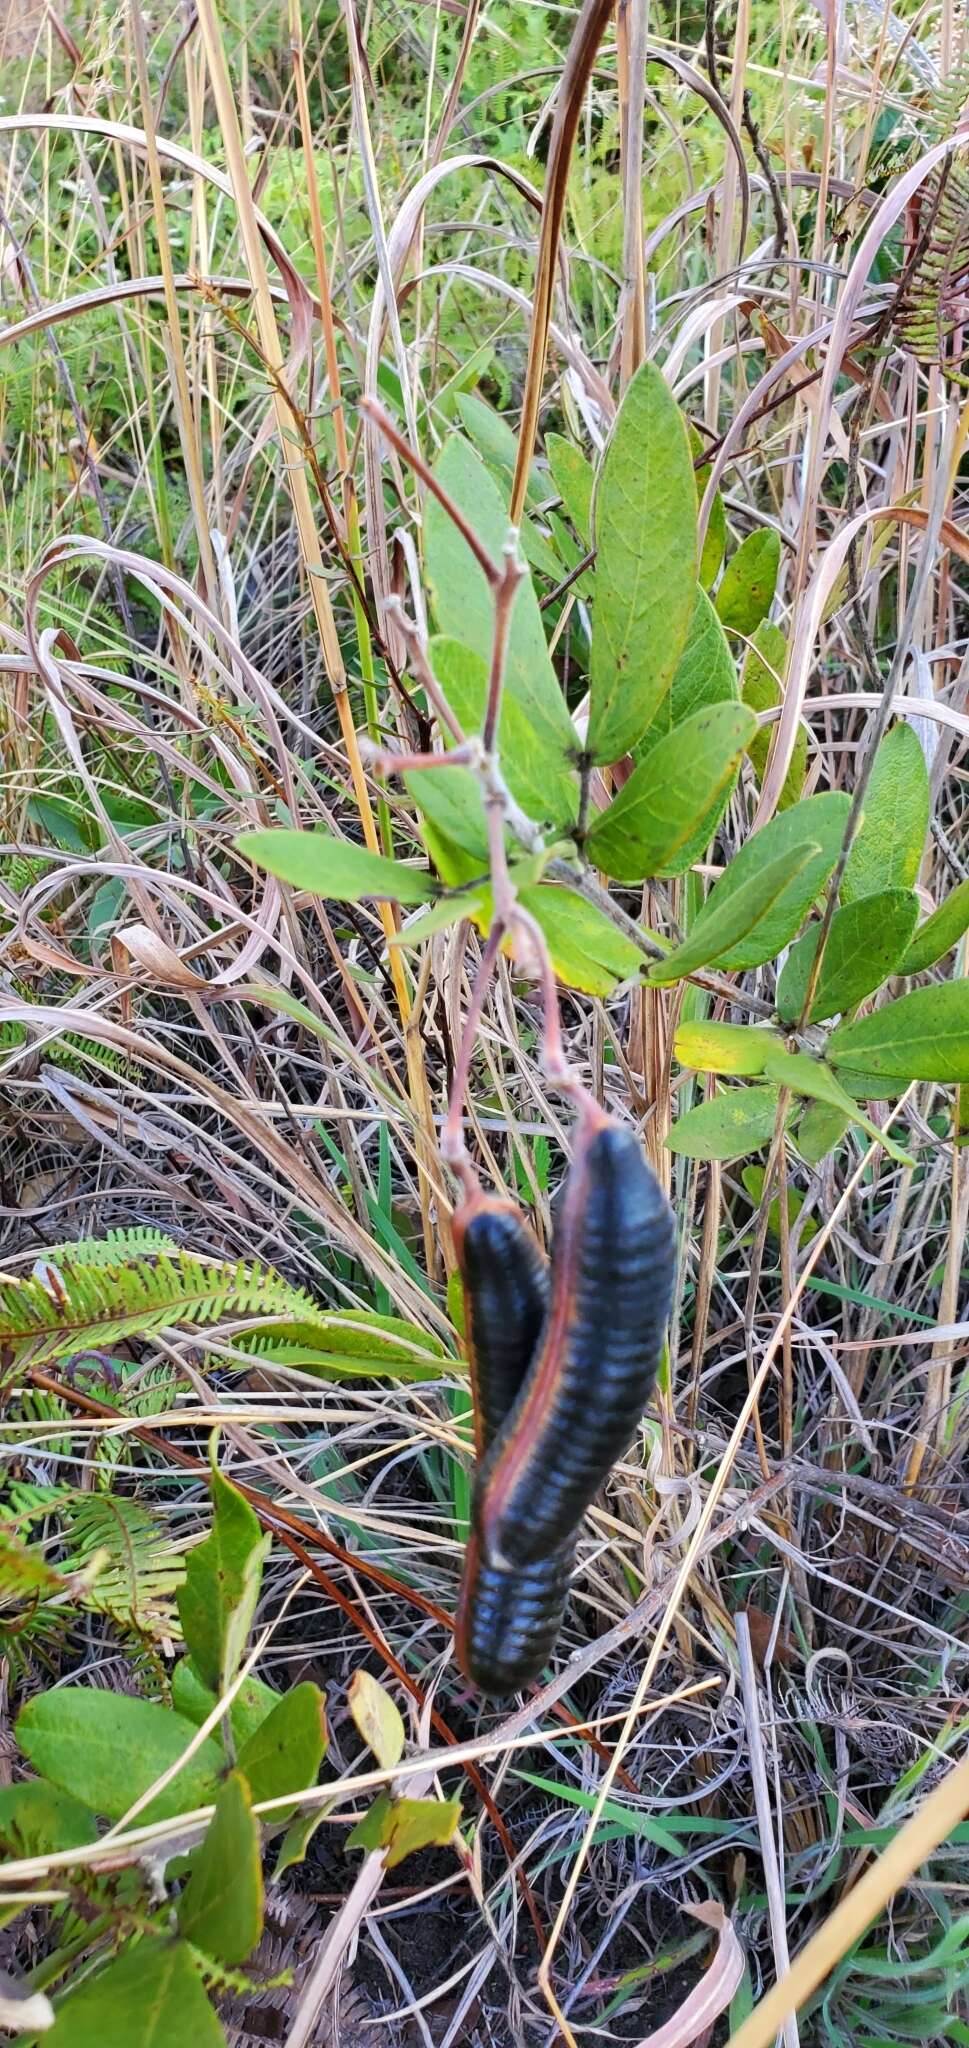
(508, 1621)
(506, 1289)
(577, 1411)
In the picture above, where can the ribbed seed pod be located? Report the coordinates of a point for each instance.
(508, 1622)
(506, 1290)
(576, 1413)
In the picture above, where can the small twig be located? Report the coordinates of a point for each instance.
(567, 581)
(511, 575)
(453, 1149)
(382, 419)
(760, 151)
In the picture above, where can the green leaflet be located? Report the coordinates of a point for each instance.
(887, 852)
(538, 780)
(864, 946)
(573, 478)
(464, 608)
(923, 1036)
(818, 820)
(728, 1126)
(151, 1996)
(715, 538)
(217, 1598)
(335, 869)
(764, 664)
(106, 1749)
(221, 1909)
(705, 674)
(940, 932)
(658, 811)
(812, 1078)
(285, 1752)
(741, 916)
(749, 580)
(646, 564)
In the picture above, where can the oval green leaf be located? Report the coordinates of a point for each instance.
(820, 820)
(761, 687)
(921, 1037)
(285, 1752)
(658, 810)
(865, 945)
(37, 1818)
(250, 1707)
(646, 564)
(537, 780)
(738, 918)
(887, 852)
(573, 478)
(749, 582)
(821, 1128)
(705, 674)
(108, 1748)
(151, 1997)
(940, 932)
(217, 1597)
(464, 608)
(715, 538)
(738, 1121)
(810, 1077)
(220, 1910)
(335, 869)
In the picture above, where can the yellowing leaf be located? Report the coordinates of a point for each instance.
(588, 950)
(723, 1048)
(418, 1824)
(377, 1719)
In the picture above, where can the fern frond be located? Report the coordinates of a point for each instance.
(947, 101)
(933, 303)
(73, 1052)
(140, 1566)
(113, 1248)
(75, 1304)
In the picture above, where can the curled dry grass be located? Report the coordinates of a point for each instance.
(769, 1623)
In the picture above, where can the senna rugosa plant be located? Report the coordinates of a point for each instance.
(788, 925)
